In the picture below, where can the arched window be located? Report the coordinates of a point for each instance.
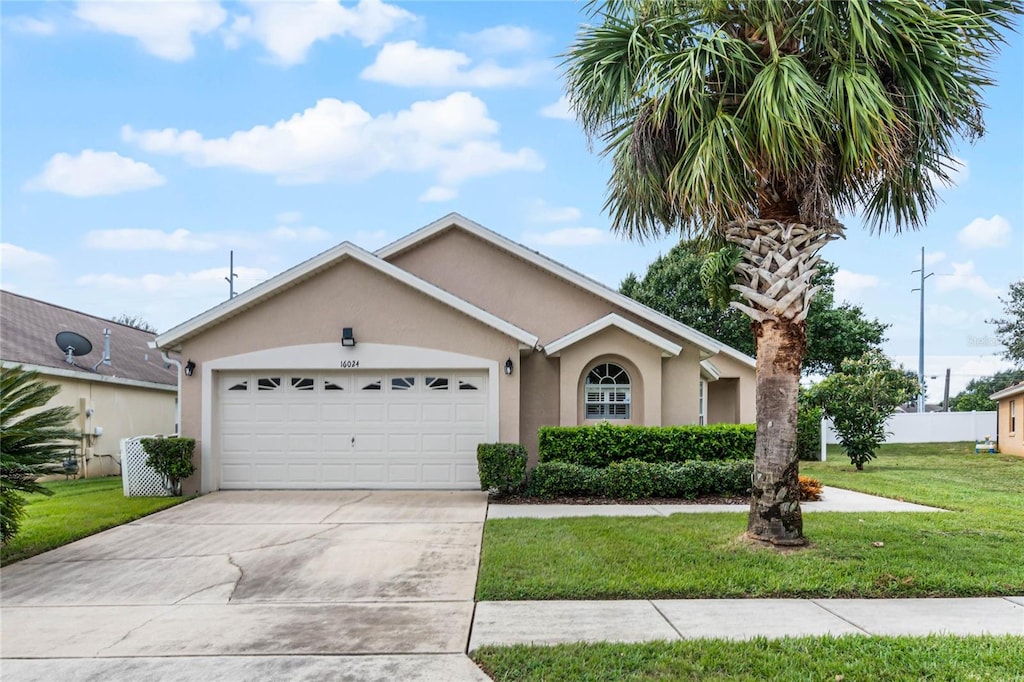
(606, 393)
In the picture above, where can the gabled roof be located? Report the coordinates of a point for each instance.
(1009, 391)
(708, 371)
(316, 264)
(668, 349)
(704, 342)
(28, 330)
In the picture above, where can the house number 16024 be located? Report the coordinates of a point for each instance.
(349, 364)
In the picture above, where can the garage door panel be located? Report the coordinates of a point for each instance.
(302, 434)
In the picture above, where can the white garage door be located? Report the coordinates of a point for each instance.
(402, 429)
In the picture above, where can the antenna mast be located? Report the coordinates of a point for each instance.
(231, 278)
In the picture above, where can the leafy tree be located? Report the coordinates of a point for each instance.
(135, 321)
(30, 437)
(754, 124)
(672, 285)
(975, 394)
(1010, 329)
(860, 398)
(171, 458)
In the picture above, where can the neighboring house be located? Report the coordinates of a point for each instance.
(135, 394)
(386, 369)
(1010, 419)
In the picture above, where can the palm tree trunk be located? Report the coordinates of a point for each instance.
(774, 276)
(775, 490)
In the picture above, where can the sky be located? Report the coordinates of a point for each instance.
(142, 142)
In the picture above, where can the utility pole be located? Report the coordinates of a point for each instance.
(231, 279)
(920, 348)
(945, 393)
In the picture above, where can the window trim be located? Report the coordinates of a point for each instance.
(606, 406)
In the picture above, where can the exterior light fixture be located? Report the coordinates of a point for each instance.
(348, 339)
(189, 368)
(508, 366)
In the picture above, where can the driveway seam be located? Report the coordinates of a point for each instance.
(126, 635)
(840, 617)
(345, 504)
(666, 619)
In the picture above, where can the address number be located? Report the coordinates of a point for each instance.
(349, 364)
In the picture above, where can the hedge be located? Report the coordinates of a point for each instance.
(808, 433)
(633, 479)
(600, 445)
(502, 467)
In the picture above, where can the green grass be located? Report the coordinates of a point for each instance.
(852, 658)
(974, 550)
(76, 510)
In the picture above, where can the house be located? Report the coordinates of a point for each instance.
(375, 370)
(133, 393)
(1009, 413)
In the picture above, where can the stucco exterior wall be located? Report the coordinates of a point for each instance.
(681, 387)
(731, 368)
(121, 411)
(377, 307)
(723, 402)
(1011, 442)
(539, 389)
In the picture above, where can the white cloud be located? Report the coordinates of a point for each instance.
(299, 234)
(180, 283)
(542, 212)
(408, 64)
(439, 194)
(288, 216)
(560, 109)
(964, 278)
(570, 236)
(93, 174)
(333, 139)
(165, 29)
(289, 29)
(26, 24)
(15, 258)
(985, 233)
(503, 38)
(849, 285)
(147, 240)
(934, 258)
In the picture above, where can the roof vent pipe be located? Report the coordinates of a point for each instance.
(105, 360)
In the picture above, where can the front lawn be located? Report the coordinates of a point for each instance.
(972, 551)
(77, 509)
(852, 657)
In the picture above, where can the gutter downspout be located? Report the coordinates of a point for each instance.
(177, 402)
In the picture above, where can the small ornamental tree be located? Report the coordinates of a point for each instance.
(860, 398)
(30, 438)
(171, 458)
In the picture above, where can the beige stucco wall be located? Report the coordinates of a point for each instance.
(121, 411)
(730, 368)
(539, 387)
(723, 402)
(377, 307)
(1011, 443)
(681, 387)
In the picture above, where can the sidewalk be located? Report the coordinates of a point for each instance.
(834, 500)
(556, 622)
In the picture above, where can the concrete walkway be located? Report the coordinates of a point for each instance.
(557, 622)
(834, 500)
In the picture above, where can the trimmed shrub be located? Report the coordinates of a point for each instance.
(600, 445)
(562, 479)
(502, 467)
(171, 458)
(810, 489)
(808, 433)
(634, 479)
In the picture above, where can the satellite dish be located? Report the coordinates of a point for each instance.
(74, 345)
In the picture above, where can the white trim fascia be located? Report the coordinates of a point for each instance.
(708, 371)
(306, 269)
(82, 376)
(668, 349)
(702, 341)
(326, 357)
(1008, 392)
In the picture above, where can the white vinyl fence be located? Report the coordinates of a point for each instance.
(137, 479)
(927, 427)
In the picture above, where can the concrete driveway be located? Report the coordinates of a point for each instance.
(345, 585)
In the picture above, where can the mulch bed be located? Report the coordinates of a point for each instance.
(708, 499)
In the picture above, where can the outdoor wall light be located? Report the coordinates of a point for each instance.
(508, 366)
(189, 368)
(348, 339)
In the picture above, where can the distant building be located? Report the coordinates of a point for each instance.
(1009, 425)
(134, 394)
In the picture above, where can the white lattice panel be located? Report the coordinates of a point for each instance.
(138, 479)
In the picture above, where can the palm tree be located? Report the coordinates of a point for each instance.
(29, 438)
(756, 124)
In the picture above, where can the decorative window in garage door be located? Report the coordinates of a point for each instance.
(268, 383)
(607, 392)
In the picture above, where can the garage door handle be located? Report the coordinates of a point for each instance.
(353, 440)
